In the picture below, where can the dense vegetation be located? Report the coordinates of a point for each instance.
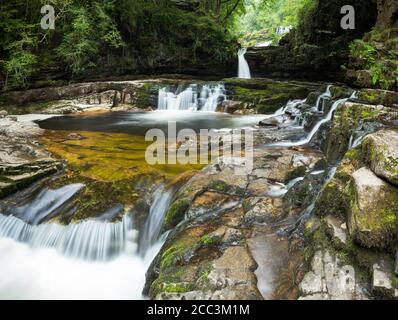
(262, 18)
(111, 37)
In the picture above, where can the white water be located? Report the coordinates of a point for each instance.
(243, 66)
(191, 99)
(45, 203)
(93, 259)
(153, 225)
(315, 129)
(326, 94)
(89, 240)
(42, 273)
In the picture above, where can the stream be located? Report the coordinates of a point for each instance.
(99, 258)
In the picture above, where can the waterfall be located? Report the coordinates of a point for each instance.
(314, 130)
(154, 222)
(243, 67)
(45, 205)
(326, 94)
(192, 99)
(88, 240)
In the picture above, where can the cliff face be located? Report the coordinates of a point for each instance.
(319, 46)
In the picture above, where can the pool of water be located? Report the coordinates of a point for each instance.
(138, 123)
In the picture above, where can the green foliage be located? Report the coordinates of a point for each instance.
(261, 19)
(370, 54)
(113, 37)
(363, 51)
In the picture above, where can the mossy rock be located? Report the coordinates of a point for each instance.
(379, 97)
(175, 213)
(380, 152)
(373, 210)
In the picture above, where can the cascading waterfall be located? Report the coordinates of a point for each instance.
(321, 99)
(192, 99)
(93, 259)
(153, 224)
(315, 129)
(243, 66)
(89, 240)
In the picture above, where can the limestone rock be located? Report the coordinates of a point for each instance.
(329, 279)
(372, 216)
(381, 151)
(337, 230)
(383, 275)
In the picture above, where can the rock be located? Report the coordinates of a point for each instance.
(379, 97)
(372, 216)
(387, 14)
(337, 231)
(382, 279)
(230, 106)
(22, 160)
(270, 122)
(265, 95)
(329, 279)
(3, 113)
(380, 150)
(74, 136)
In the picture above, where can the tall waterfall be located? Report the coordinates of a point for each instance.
(194, 98)
(243, 67)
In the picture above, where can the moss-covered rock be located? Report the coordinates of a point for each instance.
(380, 151)
(265, 95)
(373, 210)
(379, 97)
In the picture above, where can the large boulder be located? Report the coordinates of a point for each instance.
(380, 149)
(373, 210)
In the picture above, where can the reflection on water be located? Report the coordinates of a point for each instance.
(138, 123)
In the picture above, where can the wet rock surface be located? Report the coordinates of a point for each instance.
(22, 159)
(213, 240)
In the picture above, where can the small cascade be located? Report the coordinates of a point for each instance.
(88, 240)
(192, 99)
(243, 66)
(154, 222)
(326, 94)
(45, 205)
(315, 129)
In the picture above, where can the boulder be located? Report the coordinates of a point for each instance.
(382, 279)
(230, 106)
(373, 210)
(337, 230)
(270, 122)
(380, 150)
(330, 279)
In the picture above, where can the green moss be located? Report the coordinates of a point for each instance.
(172, 255)
(395, 282)
(208, 240)
(220, 186)
(175, 213)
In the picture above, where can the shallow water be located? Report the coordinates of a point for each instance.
(138, 123)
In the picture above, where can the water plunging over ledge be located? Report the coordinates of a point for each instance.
(243, 66)
(194, 98)
(92, 259)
